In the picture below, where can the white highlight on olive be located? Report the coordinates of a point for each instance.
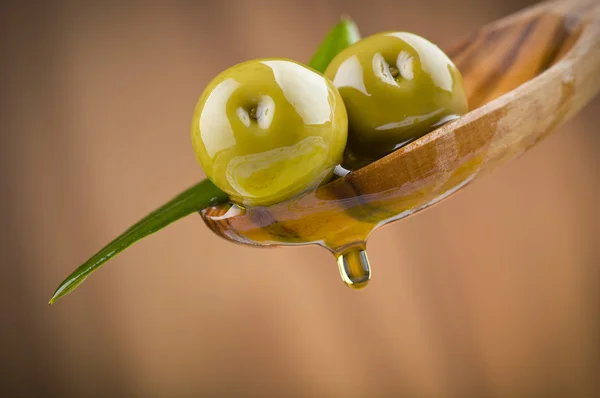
(408, 121)
(404, 63)
(248, 170)
(306, 90)
(214, 118)
(350, 74)
(242, 114)
(381, 69)
(433, 60)
(265, 112)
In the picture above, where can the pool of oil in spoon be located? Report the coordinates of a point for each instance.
(341, 215)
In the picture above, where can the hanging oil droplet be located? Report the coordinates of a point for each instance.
(354, 267)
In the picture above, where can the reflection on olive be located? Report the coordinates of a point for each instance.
(397, 87)
(267, 130)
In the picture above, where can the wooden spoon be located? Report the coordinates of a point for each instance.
(524, 75)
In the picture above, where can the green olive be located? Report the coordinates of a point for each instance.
(397, 87)
(267, 130)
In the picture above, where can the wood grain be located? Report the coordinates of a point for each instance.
(524, 75)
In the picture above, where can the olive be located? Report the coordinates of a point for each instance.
(266, 130)
(396, 86)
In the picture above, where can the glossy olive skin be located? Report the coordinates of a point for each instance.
(397, 87)
(266, 130)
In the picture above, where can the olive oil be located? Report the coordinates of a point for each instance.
(354, 267)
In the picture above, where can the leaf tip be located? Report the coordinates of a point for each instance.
(57, 295)
(67, 286)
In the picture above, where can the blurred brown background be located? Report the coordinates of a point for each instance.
(495, 293)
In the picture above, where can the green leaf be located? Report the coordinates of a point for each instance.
(196, 198)
(342, 35)
(203, 194)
